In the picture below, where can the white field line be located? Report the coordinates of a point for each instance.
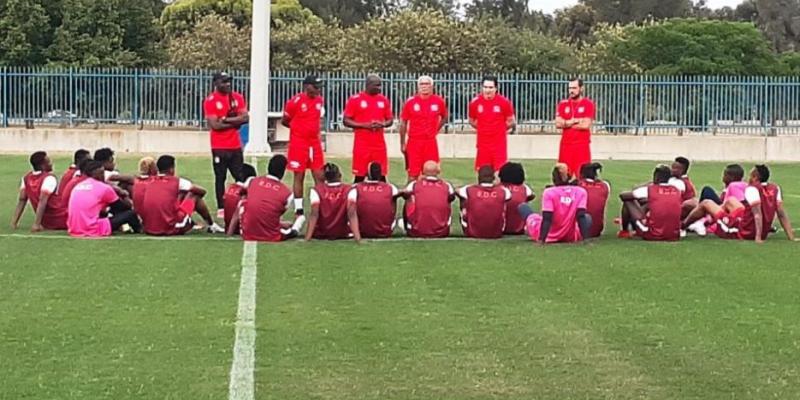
(242, 382)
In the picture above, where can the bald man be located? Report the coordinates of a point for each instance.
(427, 209)
(368, 113)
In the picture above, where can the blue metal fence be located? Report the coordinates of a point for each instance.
(625, 104)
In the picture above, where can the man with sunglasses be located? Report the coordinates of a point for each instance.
(226, 112)
(575, 116)
(302, 114)
(492, 116)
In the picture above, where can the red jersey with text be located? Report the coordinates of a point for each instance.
(491, 116)
(218, 105)
(569, 109)
(55, 213)
(159, 209)
(376, 208)
(304, 113)
(267, 200)
(428, 209)
(485, 210)
(332, 200)
(230, 201)
(769, 196)
(424, 116)
(366, 108)
(515, 225)
(597, 196)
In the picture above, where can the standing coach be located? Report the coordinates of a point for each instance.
(226, 112)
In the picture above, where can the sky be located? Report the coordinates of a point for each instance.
(549, 6)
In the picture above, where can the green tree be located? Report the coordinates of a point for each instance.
(575, 24)
(780, 22)
(24, 24)
(350, 12)
(626, 11)
(183, 15)
(516, 12)
(308, 45)
(215, 43)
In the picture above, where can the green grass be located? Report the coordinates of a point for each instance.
(129, 318)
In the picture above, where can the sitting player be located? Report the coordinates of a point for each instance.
(112, 176)
(483, 206)
(40, 188)
(751, 220)
(90, 197)
(597, 191)
(328, 219)
(734, 187)
(680, 171)
(661, 221)
(74, 169)
(235, 193)
(372, 206)
(564, 218)
(267, 200)
(147, 172)
(169, 201)
(427, 209)
(512, 177)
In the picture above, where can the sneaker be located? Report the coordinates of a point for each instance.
(624, 234)
(642, 227)
(698, 227)
(683, 233)
(214, 228)
(725, 228)
(126, 228)
(221, 213)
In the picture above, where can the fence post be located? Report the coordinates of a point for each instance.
(199, 86)
(704, 110)
(71, 107)
(764, 108)
(641, 118)
(5, 97)
(136, 97)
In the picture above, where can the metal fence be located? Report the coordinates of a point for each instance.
(625, 104)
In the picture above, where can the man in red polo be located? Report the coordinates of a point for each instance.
(226, 112)
(39, 187)
(423, 116)
(575, 116)
(301, 115)
(369, 113)
(492, 116)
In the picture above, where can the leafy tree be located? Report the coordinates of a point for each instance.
(24, 24)
(215, 43)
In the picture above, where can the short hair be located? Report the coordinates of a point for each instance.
(248, 171)
(103, 155)
(561, 174)
(685, 162)
(425, 78)
(576, 79)
(490, 78)
(37, 159)
(331, 172)
(485, 173)
(662, 174)
(512, 173)
(589, 170)
(90, 165)
(80, 155)
(146, 164)
(165, 163)
(82, 163)
(375, 171)
(277, 166)
(735, 171)
(763, 172)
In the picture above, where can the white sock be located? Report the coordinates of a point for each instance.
(298, 204)
(298, 223)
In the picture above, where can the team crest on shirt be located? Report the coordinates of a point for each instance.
(319, 106)
(234, 104)
(381, 105)
(416, 107)
(434, 107)
(363, 104)
(496, 109)
(580, 109)
(219, 105)
(566, 110)
(303, 107)
(480, 108)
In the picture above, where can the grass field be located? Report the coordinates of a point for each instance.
(129, 318)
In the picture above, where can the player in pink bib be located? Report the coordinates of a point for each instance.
(564, 218)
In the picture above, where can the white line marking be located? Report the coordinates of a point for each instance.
(242, 385)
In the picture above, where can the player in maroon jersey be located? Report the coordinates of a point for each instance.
(372, 206)
(680, 171)
(73, 169)
(483, 206)
(427, 210)
(169, 202)
(40, 188)
(751, 219)
(147, 171)
(662, 219)
(112, 175)
(597, 191)
(267, 200)
(235, 193)
(512, 176)
(328, 219)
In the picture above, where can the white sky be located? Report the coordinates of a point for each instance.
(549, 6)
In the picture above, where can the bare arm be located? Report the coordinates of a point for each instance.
(627, 196)
(583, 123)
(783, 217)
(473, 122)
(127, 179)
(21, 202)
(238, 120)
(352, 216)
(198, 191)
(312, 221)
(759, 222)
(402, 130)
(234, 225)
(511, 123)
(37, 222)
(350, 123)
(286, 121)
(218, 124)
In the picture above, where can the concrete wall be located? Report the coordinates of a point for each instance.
(701, 148)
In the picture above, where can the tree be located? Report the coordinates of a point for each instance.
(310, 45)
(183, 15)
(446, 7)
(24, 24)
(780, 22)
(215, 43)
(575, 24)
(516, 12)
(287, 12)
(350, 12)
(627, 11)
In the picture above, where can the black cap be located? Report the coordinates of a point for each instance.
(222, 76)
(312, 80)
